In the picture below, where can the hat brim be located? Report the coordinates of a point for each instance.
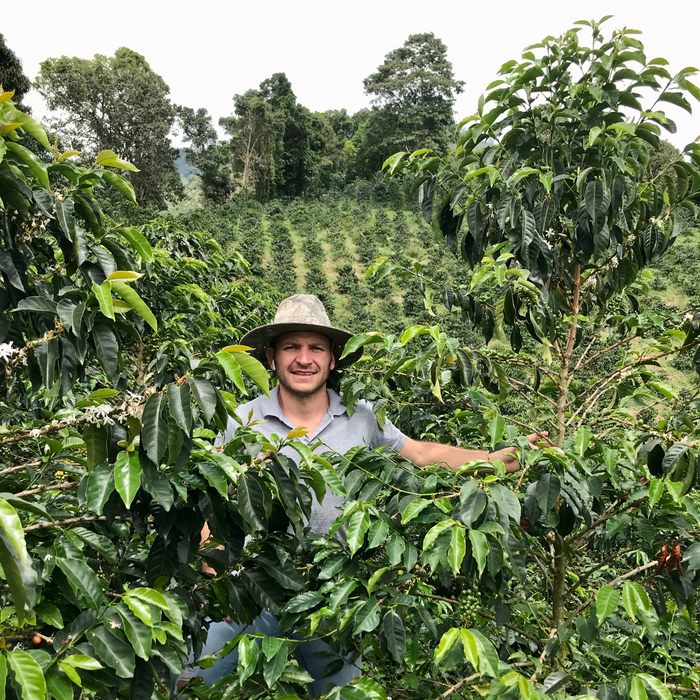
(261, 338)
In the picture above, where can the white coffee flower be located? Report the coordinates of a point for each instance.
(6, 351)
(35, 433)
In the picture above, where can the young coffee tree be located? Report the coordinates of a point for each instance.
(115, 357)
(549, 197)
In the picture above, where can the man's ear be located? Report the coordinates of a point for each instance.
(332, 360)
(270, 355)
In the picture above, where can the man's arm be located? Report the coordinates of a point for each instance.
(424, 453)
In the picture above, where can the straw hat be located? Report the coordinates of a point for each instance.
(301, 312)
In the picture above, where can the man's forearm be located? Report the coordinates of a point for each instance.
(424, 453)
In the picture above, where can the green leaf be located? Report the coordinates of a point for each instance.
(330, 476)
(414, 508)
(675, 98)
(103, 293)
(150, 596)
(480, 548)
(179, 405)
(637, 689)
(340, 593)
(58, 685)
(367, 617)
(139, 635)
(362, 688)
(593, 135)
(28, 675)
(656, 490)
(655, 685)
(113, 651)
(496, 428)
(582, 440)
(100, 484)
(377, 533)
(33, 128)
(607, 600)
(204, 395)
(595, 199)
(520, 174)
(127, 476)
(488, 657)
(83, 662)
(251, 502)
(255, 370)
(303, 602)
(121, 184)
(15, 560)
(471, 649)
(248, 653)
(457, 550)
(130, 296)
(38, 305)
(154, 433)
(98, 542)
(110, 159)
(33, 162)
(634, 598)
(359, 341)
(49, 613)
(157, 484)
(232, 369)
(138, 242)
(375, 577)
(357, 527)
(447, 641)
(107, 349)
(547, 491)
(80, 575)
(71, 673)
(395, 635)
(436, 531)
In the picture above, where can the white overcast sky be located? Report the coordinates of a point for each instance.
(209, 51)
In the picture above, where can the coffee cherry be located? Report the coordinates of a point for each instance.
(36, 639)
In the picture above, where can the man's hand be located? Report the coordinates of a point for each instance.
(508, 454)
(534, 438)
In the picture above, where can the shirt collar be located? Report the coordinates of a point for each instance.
(270, 408)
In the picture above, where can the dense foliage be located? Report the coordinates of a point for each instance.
(575, 576)
(117, 103)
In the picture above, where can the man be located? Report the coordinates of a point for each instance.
(302, 348)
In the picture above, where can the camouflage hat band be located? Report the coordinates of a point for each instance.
(301, 312)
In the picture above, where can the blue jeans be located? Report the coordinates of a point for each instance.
(312, 654)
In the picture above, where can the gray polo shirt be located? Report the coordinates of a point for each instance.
(337, 430)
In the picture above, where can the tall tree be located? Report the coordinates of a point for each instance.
(413, 95)
(206, 153)
(12, 76)
(276, 143)
(117, 103)
(252, 132)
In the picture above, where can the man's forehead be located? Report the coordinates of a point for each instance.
(304, 337)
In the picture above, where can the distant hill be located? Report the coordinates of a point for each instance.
(183, 167)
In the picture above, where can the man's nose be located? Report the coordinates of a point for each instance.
(304, 356)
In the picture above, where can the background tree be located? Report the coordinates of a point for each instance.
(12, 76)
(210, 157)
(413, 94)
(116, 103)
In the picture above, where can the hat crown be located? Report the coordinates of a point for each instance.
(302, 308)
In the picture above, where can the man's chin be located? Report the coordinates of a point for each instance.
(302, 388)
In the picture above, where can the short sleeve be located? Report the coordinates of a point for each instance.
(390, 437)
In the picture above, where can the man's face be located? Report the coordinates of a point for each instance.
(303, 361)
